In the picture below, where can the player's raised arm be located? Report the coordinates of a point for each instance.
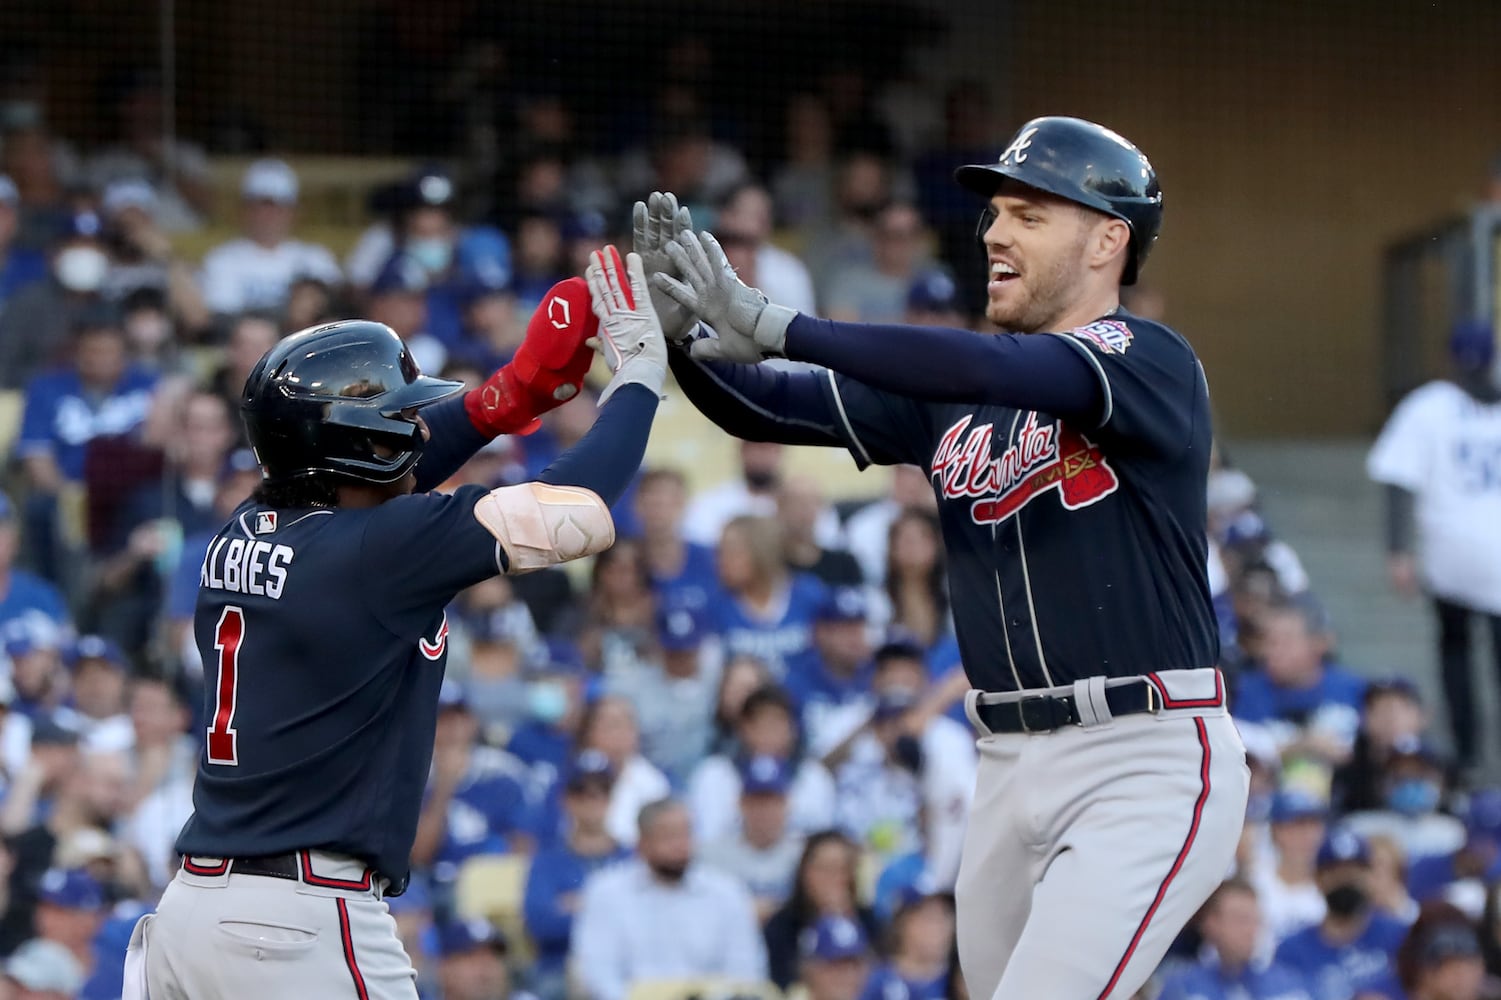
(928, 363)
(565, 514)
(547, 371)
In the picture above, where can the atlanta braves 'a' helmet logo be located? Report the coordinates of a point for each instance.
(559, 312)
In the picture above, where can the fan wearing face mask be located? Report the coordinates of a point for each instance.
(1414, 789)
(1354, 944)
(35, 322)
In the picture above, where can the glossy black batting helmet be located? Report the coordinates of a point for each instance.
(336, 400)
(1084, 163)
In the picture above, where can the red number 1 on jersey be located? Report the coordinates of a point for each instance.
(223, 747)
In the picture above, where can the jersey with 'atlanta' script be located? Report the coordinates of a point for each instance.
(1072, 551)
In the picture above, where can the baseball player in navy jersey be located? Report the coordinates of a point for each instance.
(321, 622)
(1069, 458)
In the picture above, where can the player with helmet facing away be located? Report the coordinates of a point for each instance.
(321, 622)
(1070, 460)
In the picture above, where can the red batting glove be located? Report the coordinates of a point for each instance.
(548, 369)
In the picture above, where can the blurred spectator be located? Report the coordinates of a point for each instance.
(767, 612)
(164, 761)
(823, 890)
(803, 185)
(1435, 456)
(862, 188)
(149, 331)
(555, 698)
(1414, 787)
(1389, 893)
(492, 325)
(251, 335)
(20, 266)
(1440, 959)
(1244, 540)
(683, 157)
(22, 593)
(1289, 895)
(61, 795)
(1393, 712)
(764, 852)
(33, 644)
(1230, 922)
(256, 269)
(754, 492)
(922, 940)
(36, 321)
(743, 676)
(176, 169)
(310, 302)
(766, 727)
(836, 683)
(141, 547)
(98, 709)
(673, 693)
(968, 137)
(617, 630)
(557, 874)
(876, 291)
(472, 962)
(682, 573)
(869, 528)
(99, 393)
(141, 255)
(917, 578)
(427, 230)
(504, 648)
(745, 216)
(540, 259)
(800, 505)
(1477, 862)
(905, 777)
(70, 909)
(664, 916)
(476, 799)
(609, 727)
(1353, 945)
(43, 970)
(833, 960)
(43, 169)
(399, 298)
(933, 300)
(1310, 703)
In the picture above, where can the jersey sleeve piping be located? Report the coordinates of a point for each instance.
(844, 419)
(760, 410)
(1099, 370)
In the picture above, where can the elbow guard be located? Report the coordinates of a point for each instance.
(540, 525)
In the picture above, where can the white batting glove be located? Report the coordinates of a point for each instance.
(748, 327)
(630, 334)
(655, 223)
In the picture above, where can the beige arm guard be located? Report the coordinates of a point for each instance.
(539, 525)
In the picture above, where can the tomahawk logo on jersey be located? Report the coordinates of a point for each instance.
(1033, 495)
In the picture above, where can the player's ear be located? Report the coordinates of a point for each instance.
(1110, 241)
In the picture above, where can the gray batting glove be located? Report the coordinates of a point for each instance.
(656, 222)
(630, 335)
(748, 328)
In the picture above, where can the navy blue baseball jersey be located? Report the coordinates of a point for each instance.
(1073, 551)
(324, 642)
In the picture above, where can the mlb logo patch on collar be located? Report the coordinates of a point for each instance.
(265, 522)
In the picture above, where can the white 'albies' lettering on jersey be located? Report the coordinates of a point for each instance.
(246, 567)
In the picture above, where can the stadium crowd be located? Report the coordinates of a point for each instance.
(734, 748)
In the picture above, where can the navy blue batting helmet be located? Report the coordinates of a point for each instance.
(336, 399)
(1085, 163)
